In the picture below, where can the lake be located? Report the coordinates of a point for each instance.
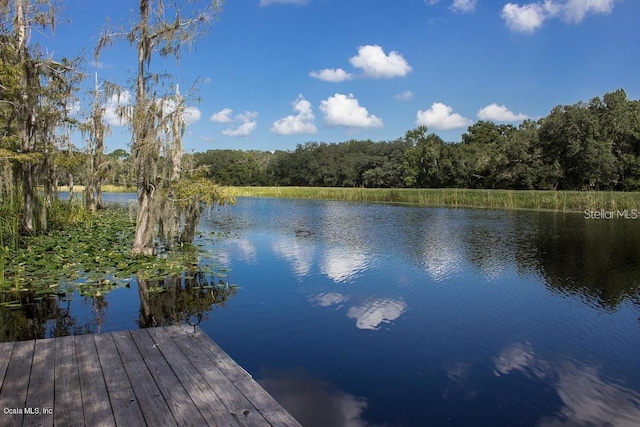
(356, 314)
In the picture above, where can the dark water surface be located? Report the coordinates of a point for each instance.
(376, 315)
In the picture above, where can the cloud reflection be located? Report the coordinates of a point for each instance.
(328, 298)
(300, 255)
(440, 256)
(588, 400)
(313, 401)
(342, 264)
(371, 314)
(515, 357)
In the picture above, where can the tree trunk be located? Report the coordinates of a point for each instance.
(144, 146)
(191, 218)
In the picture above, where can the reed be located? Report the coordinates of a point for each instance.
(561, 201)
(108, 188)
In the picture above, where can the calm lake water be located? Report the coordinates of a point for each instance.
(355, 314)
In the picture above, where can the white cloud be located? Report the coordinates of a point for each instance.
(73, 109)
(372, 60)
(525, 19)
(222, 116)
(344, 110)
(441, 117)
(247, 126)
(407, 95)
(331, 75)
(270, 2)
(499, 113)
(113, 106)
(575, 10)
(464, 6)
(530, 17)
(300, 123)
(191, 115)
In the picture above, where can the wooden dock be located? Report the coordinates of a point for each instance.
(166, 376)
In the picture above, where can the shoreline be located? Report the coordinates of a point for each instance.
(557, 201)
(537, 200)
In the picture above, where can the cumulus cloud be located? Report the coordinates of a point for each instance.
(575, 10)
(73, 108)
(300, 123)
(530, 17)
(331, 75)
(464, 6)
(407, 95)
(372, 60)
(247, 124)
(222, 116)
(441, 117)
(190, 115)
(114, 106)
(524, 19)
(500, 113)
(344, 110)
(270, 2)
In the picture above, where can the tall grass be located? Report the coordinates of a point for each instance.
(108, 188)
(562, 201)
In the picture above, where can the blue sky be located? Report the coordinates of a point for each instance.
(275, 73)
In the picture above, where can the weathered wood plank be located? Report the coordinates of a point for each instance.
(210, 405)
(40, 393)
(164, 376)
(95, 399)
(184, 410)
(154, 408)
(201, 356)
(124, 403)
(13, 395)
(67, 397)
(222, 360)
(270, 409)
(5, 354)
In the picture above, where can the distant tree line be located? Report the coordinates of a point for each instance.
(588, 145)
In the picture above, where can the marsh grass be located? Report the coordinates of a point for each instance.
(561, 201)
(105, 189)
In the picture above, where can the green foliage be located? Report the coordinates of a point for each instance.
(585, 146)
(90, 255)
(563, 201)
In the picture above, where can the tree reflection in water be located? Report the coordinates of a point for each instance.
(27, 315)
(173, 300)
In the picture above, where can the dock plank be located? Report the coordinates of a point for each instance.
(13, 395)
(40, 393)
(222, 360)
(236, 403)
(124, 404)
(154, 408)
(95, 399)
(213, 410)
(164, 376)
(5, 354)
(266, 404)
(181, 405)
(67, 400)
